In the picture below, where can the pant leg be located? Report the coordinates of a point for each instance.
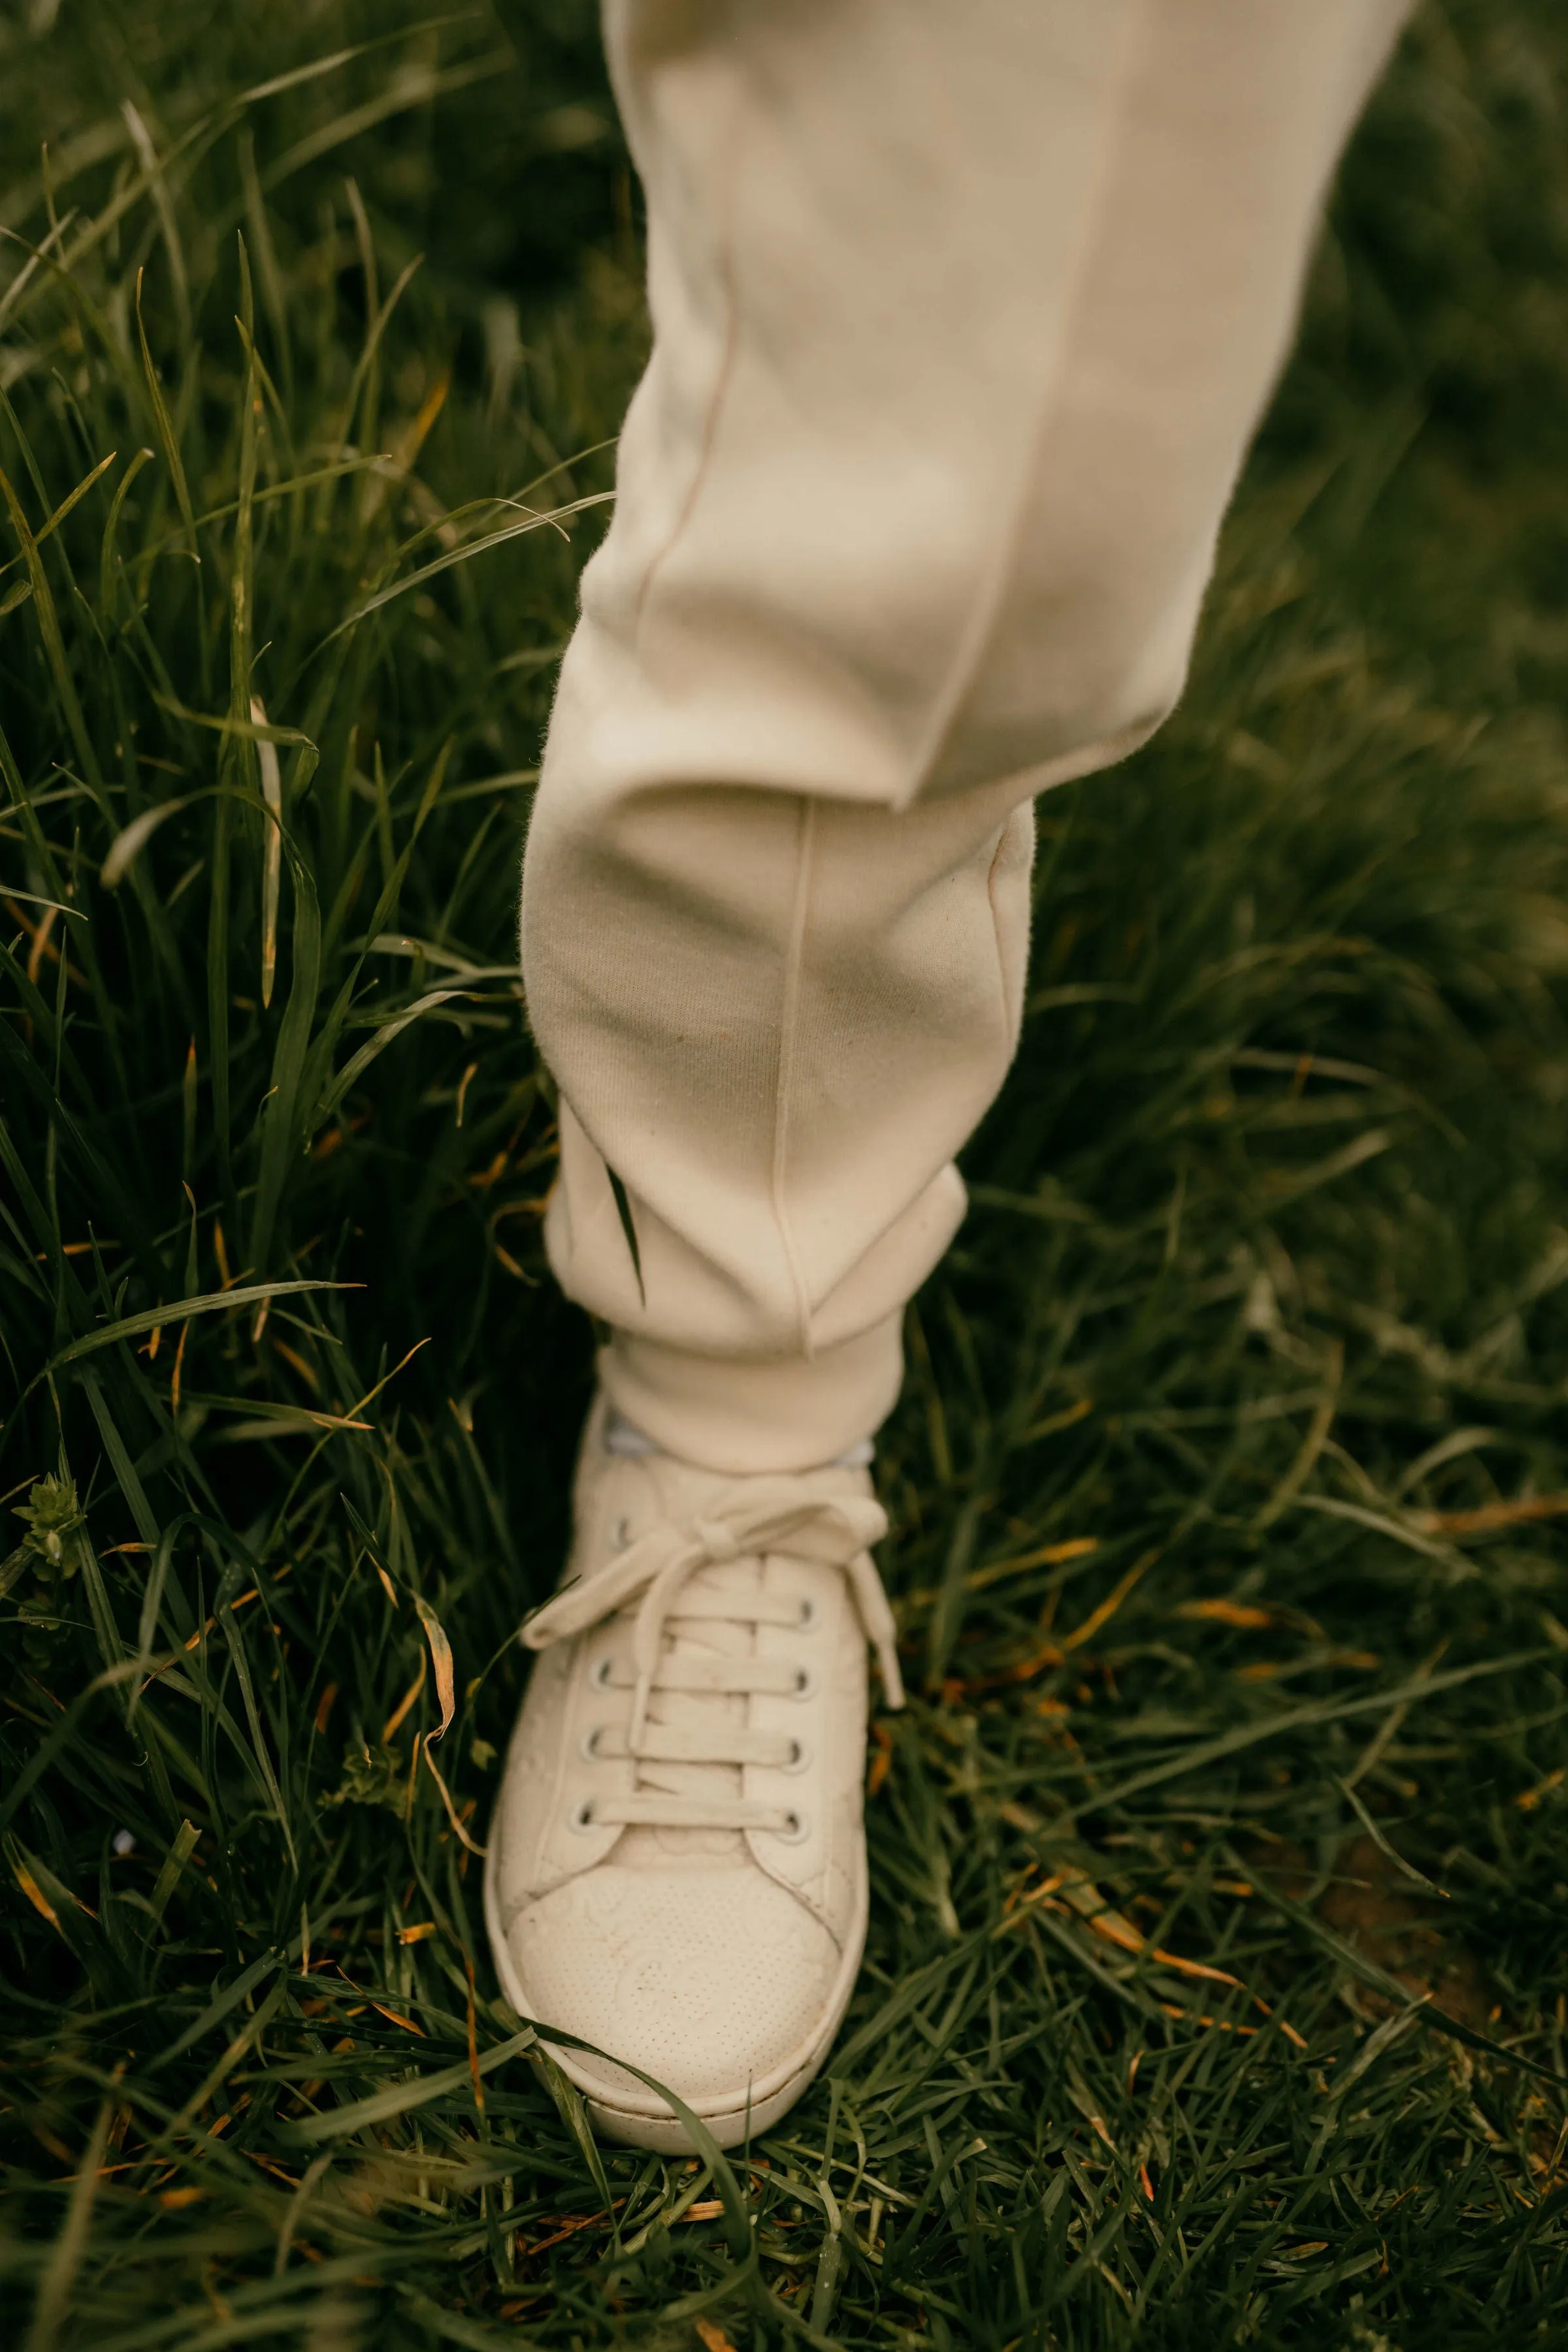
(963, 317)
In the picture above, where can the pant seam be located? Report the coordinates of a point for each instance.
(960, 682)
(789, 1023)
(721, 382)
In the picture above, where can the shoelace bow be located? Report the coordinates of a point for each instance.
(774, 1515)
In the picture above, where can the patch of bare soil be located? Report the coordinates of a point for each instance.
(1392, 1923)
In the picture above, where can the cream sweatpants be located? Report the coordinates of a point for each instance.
(963, 313)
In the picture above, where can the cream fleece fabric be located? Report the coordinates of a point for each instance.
(963, 317)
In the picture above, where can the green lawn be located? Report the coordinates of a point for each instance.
(1217, 1985)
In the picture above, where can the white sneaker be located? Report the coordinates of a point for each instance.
(676, 1867)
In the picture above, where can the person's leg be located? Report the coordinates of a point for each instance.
(963, 319)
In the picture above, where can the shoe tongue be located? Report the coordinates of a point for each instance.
(687, 1493)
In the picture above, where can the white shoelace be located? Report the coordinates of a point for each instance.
(767, 1515)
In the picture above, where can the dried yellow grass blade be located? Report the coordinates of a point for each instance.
(395, 1718)
(1225, 1612)
(1491, 1515)
(451, 1808)
(713, 2336)
(441, 1659)
(38, 1898)
(1110, 1606)
(398, 2017)
(1528, 1799)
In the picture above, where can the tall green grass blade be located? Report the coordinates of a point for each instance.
(49, 623)
(168, 440)
(288, 1115)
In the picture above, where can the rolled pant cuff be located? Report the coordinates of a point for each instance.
(756, 1414)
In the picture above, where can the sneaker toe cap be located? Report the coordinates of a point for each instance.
(711, 1980)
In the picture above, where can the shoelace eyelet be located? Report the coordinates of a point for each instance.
(581, 1816)
(600, 1678)
(590, 1747)
(799, 1757)
(808, 1615)
(804, 1684)
(796, 1830)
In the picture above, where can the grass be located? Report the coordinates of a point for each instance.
(1217, 1984)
